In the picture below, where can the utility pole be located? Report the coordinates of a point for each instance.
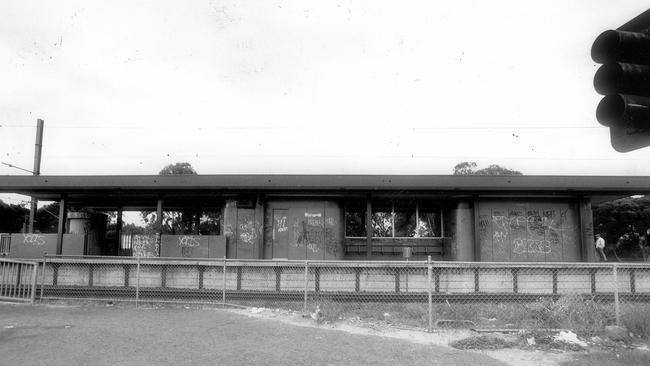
(37, 170)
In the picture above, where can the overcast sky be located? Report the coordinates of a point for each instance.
(399, 87)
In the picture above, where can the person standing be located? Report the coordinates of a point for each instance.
(600, 247)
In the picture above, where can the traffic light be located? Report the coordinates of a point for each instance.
(624, 80)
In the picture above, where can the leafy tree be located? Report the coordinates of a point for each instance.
(468, 168)
(132, 228)
(12, 217)
(173, 222)
(47, 219)
(177, 168)
(181, 222)
(465, 168)
(622, 223)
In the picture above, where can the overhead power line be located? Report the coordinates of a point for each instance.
(285, 127)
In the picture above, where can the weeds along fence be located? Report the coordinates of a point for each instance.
(418, 293)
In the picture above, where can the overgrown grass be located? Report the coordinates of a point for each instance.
(580, 314)
(618, 358)
(636, 318)
(482, 342)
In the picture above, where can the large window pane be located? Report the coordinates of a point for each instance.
(382, 224)
(429, 223)
(355, 218)
(355, 223)
(382, 219)
(404, 219)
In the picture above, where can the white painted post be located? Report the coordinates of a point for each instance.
(617, 309)
(43, 275)
(137, 281)
(34, 276)
(223, 284)
(429, 281)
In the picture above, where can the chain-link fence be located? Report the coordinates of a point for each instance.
(580, 296)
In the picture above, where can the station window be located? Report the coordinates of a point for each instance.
(395, 219)
(355, 219)
(382, 219)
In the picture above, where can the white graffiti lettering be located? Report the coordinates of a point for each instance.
(34, 239)
(531, 223)
(313, 247)
(314, 219)
(281, 224)
(532, 246)
(189, 241)
(145, 246)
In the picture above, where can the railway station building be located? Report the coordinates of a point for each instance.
(327, 217)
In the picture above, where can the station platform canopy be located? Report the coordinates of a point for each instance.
(142, 191)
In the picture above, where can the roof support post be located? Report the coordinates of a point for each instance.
(477, 236)
(38, 147)
(159, 221)
(61, 226)
(197, 220)
(118, 230)
(587, 246)
(369, 231)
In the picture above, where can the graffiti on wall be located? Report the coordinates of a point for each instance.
(532, 232)
(145, 246)
(331, 244)
(281, 224)
(34, 239)
(538, 231)
(187, 243)
(533, 246)
(309, 232)
(247, 232)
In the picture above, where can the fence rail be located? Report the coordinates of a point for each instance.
(421, 292)
(18, 280)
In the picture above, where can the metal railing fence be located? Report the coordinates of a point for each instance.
(5, 244)
(424, 294)
(18, 280)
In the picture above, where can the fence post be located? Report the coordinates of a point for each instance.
(43, 275)
(34, 276)
(137, 280)
(617, 309)
(429, 275)
(304, 305)
(223, 285)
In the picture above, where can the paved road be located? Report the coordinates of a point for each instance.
(97, 335)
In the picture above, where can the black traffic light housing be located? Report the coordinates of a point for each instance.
(624, 80)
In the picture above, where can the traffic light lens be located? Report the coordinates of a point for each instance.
(610, 110)
(605, 46)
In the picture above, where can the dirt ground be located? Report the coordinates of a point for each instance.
(103, 333)
(97, 334)
(441, 338)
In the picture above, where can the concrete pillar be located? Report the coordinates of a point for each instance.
(61, 226)
(369, 229)
(462, 244)
(93, 227)
(230, 227)
(259, 226)
(78, 222)
(159, 220)
(587, 241)
(118, 231)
